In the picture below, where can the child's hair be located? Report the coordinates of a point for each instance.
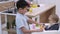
(21, 4)
(54, 17)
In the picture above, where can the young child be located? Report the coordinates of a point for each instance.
(53, 20)
(21, 19)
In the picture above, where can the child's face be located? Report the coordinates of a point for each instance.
(51, 20)
(23, 11)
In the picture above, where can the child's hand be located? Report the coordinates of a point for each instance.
(38, 30)
(41, 30)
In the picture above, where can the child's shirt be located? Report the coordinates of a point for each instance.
(53, 27)
(21, 21)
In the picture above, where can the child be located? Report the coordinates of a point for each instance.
(21, 19)
(53, 20)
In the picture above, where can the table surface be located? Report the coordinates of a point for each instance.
(47, 32)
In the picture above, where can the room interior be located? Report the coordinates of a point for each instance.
(41, 14)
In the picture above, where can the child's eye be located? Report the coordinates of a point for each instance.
(27, 9)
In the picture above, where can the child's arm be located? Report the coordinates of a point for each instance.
(30, 31)
(31, 21)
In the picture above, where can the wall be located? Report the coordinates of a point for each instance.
(57, 2)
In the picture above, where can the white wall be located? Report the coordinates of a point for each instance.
(58, 7)
(48, 1)
(57, 2)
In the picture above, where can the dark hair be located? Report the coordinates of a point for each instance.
(21, 4)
